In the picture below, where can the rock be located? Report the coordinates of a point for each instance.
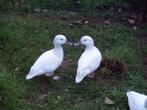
(37, 10)
(71, 25)
(44, 11)
(72, 13)
(108, 101)
(119, 10)
(131, 21)
(56, 78)
(107, 22)
(77, 23)
(86, 22)
(134, 27)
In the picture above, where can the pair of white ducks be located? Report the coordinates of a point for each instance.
(89, 61)
(50, 60)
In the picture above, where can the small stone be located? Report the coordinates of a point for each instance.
(78, 2)
(86, 22)
(71, 25)
(108, 101)
(66, 90)
(56, 78)
(77, 22)
(119, 10)
(73, 13)
(45, 11)
(134, 27)
(131, 21)
(37, 10)
(92, 75)
(107, 22)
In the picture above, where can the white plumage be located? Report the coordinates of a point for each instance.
(50, 60)
(90, 59)
(137, 101)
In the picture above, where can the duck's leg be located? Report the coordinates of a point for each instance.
(91, 75)
(49, 74)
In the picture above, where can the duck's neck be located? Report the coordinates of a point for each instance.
(89, 47)
(58, 48)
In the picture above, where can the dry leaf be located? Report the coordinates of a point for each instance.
(42, 96)
(16, 69)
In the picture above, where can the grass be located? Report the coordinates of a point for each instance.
(30, 5)
(24, 38)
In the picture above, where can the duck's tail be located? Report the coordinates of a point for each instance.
(30, 75)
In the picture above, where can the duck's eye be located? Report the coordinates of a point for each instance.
(84, 39)
(61, 39)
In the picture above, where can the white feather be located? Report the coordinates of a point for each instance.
(49, 61)
(89, 61)
(136, 101)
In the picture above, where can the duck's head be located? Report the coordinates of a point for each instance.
(59, 40)
(87, 41)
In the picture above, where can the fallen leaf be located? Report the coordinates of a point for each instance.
(16, 69)
(40, 97)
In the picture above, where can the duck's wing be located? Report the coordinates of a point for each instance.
(89, 60)
(46, 63)
(88, 63)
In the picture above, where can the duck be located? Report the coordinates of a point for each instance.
(137, 101)
(90, 59)
(50, 60)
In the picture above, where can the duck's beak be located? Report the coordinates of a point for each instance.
(69, 43)
(73, 43)
(77, 43)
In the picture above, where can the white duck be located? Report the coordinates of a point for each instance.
(90, 59)
(50, 60)
(137, 101)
